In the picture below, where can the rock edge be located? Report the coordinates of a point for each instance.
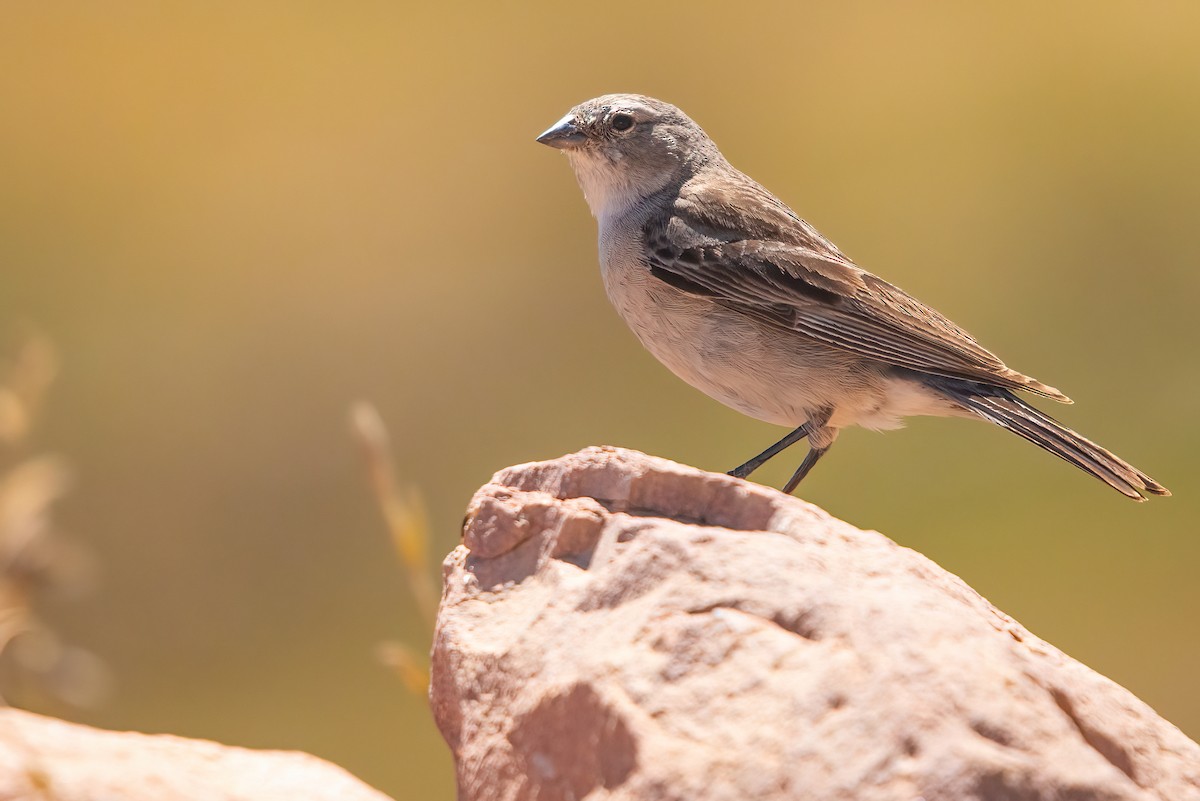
(618, 626)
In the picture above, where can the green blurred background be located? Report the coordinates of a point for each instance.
(235, 219)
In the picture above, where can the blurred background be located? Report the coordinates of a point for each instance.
(235, 219)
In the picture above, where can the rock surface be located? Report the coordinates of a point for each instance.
(617, 626)
(42, 758)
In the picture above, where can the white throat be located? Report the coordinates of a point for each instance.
(605, 185)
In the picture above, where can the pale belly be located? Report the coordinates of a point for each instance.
(769, 374)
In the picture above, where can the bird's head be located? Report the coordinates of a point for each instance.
(625, 148)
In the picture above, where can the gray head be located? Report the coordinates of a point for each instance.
(624, 148)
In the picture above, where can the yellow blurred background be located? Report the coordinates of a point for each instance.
(234, 219)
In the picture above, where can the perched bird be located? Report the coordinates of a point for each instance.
(748, 303)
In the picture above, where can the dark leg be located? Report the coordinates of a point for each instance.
(811, 459)
(814, 423)
(758, 461)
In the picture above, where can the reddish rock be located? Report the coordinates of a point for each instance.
(617, 626)
(43, 759)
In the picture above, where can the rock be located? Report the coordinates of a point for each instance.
(617, 626)
(42, 758)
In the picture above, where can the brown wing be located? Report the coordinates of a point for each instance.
(743, 247)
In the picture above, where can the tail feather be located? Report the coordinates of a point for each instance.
(1038, 388)
(1006, 410)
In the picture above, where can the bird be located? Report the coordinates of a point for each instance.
(742, 299)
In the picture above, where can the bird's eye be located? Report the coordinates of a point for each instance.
(622, 122)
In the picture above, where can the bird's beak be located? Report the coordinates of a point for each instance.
(563, 134)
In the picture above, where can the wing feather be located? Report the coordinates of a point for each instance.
(745, 249)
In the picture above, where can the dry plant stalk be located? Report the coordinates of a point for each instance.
(407, 522)
(33, 560)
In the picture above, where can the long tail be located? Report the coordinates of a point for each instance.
(1006, 410)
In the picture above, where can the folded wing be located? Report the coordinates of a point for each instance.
(748, 251)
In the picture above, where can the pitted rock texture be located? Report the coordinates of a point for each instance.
(618, 626)
(43, 759)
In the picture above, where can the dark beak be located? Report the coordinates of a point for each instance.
(563, 134)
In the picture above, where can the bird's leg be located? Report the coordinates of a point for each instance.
(741, 471)
(815, 423)
(809, 460)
